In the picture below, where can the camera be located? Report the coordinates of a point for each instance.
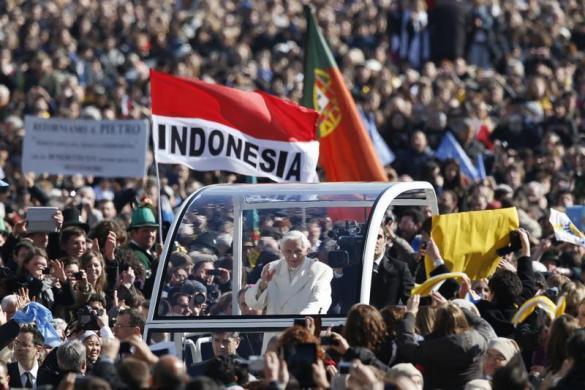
(214, 272)
(338, 259)
(78, 275)
(300, 359)
(328, 340)
(515, 244)
(125, 348)
(199, 298)
(87, 317)
(254, 364)
(344, 368)
(300, 322)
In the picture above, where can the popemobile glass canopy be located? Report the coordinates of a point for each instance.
(217, 245)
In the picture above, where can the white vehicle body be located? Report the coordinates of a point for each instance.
(241, 202)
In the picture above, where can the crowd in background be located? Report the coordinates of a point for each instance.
(506, 78)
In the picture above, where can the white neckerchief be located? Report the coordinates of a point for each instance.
(293, 272)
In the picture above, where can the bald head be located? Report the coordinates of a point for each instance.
(8, 304)
(168, 373)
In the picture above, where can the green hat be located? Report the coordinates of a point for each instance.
(142, 217)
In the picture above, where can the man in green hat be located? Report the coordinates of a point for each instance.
(142, 229)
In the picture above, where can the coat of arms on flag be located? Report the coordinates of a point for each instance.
(564, 229)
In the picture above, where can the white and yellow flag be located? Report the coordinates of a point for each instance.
(564, 229)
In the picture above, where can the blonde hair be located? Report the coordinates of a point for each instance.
(574, 294)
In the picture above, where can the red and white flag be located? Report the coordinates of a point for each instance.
(212, 127)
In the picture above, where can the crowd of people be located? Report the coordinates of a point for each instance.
(504, 77)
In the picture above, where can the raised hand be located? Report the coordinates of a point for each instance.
(412, 304)
(432, 250)
(266, 276)
(438, 299)
(110, 246)
(525, 241)
(225, 275)
(465, 289)
(59, 270)
(22, 298)
(19, 228)
(506, 264)
(58, 219)
(275, 369)
(340, 345)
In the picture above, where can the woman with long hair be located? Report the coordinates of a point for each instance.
(94, 279)
(560, 331)
(454, 180)
(458, 334)
(48, 286)
(365, 338)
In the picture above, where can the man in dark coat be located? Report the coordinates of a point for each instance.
(510, 289)
(27, 348)
(391, 278)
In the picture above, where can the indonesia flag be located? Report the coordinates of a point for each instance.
(212, 127)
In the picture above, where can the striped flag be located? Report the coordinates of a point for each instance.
(211, 127)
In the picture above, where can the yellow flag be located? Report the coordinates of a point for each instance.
(434, 283)
(530, 305)
(468, 241)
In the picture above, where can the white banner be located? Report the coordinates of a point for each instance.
(88, 147)
(564, 229)
(204, 145)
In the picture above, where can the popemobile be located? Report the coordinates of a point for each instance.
(353, 212)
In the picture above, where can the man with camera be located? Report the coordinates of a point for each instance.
(295, 284)
(216, 280)
(224, 344)
(93, 316)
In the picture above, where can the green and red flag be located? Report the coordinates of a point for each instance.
(345, 149)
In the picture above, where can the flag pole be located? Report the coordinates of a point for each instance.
(160, 222)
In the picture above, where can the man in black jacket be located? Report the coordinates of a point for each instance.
(510, 289)
(391, 278)
(27, 348)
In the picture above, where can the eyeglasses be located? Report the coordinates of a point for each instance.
(117, 325)
(19, 344)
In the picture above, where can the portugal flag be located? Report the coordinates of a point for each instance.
(212, 127)
(346, 151)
